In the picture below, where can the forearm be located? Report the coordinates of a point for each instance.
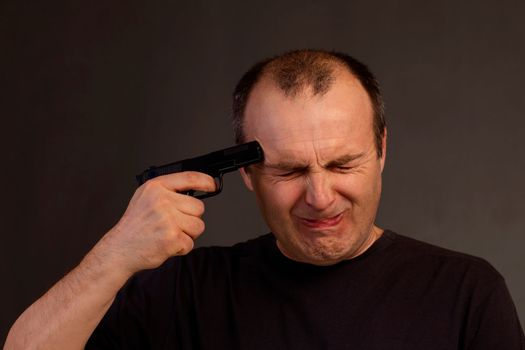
(67, 314)
(159, 222)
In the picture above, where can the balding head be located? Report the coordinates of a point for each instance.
(307, 70)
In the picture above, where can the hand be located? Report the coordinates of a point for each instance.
(159, 222)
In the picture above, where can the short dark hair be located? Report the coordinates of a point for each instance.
(295, 70)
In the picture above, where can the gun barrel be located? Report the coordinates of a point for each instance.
(229, 159)
(214, 163)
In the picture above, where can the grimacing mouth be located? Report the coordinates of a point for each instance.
(319, 222)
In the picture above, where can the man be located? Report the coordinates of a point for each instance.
(327, 278)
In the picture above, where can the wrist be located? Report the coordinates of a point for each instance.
(105, 266)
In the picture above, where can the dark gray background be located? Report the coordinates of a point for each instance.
(94, 92)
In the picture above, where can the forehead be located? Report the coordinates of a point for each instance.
(340, 118)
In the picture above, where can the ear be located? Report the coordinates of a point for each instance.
(383, 148)
(246, 177)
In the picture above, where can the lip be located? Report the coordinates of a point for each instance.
(322, 223)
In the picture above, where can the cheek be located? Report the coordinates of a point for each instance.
(279, 197)
(359, 188)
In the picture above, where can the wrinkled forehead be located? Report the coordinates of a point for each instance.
(341, 115)
(318, 148)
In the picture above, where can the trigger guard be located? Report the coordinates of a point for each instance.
(218, 183)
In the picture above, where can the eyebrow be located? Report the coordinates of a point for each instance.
(294, 165)
(347, 158)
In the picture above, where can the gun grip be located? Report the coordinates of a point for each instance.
(202, 195)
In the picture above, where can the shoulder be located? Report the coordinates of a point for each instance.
(421, 256)
(220, 257)
(204, 260)
(207, 265)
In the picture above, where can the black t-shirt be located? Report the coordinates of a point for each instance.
(400, 294)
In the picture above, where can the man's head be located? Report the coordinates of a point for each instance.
(295, 70)
(320, 183)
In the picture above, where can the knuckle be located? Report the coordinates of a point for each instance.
(163, 204)
(151, 193)
(160, 217)
(166, 242)
(163, 245)
(192, 176)
(186, 245)
(196, 205)
(189, 246)
(151, 185)
(200, 226)
(199, 207)
(195, 178)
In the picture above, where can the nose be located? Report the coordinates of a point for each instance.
(319, 192)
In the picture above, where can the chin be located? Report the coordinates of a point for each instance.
(325, 253)
(317, 247)
(323, 260)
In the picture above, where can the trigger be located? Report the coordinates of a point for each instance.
(218, 184)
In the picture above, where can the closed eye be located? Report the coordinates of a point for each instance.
(342, 169)
(292, 172)
(345, 163)
(289, 173)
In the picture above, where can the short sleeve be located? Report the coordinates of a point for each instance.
(141, 314)
(494, 323)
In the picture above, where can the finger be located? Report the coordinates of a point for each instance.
(185, 181)
(187, 204)
(191, 225)
(184, 246)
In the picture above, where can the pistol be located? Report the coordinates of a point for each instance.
(215, 164)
